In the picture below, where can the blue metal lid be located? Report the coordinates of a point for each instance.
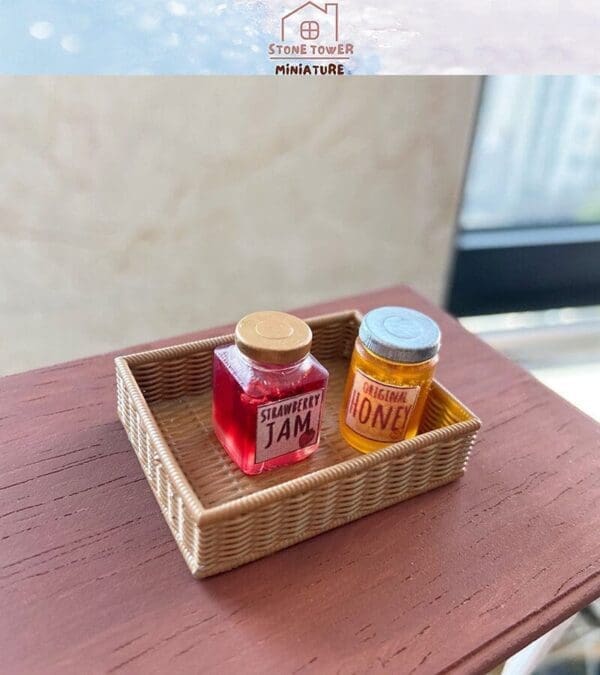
(400, 334)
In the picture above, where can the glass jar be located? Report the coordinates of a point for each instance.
(268, 392)
(390, 374)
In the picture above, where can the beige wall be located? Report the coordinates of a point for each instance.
(133, 209)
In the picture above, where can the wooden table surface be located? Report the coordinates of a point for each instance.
(454, 580)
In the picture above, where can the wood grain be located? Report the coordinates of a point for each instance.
(452, 581)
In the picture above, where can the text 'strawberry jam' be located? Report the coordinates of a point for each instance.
(390, 374)
(268, 393)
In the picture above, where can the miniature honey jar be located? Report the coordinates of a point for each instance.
(268, 392)
(390, 374)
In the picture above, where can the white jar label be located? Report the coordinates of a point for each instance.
(378, 411)
(288, 425)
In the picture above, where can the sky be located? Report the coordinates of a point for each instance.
(231, 36)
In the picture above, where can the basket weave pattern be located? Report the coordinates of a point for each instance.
(222, 518)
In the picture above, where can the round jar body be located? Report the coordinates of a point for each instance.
(383, 400)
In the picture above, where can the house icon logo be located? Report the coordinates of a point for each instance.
(310, 22)
(309, 42)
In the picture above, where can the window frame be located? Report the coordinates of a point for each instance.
(521, 268)
(310, 23)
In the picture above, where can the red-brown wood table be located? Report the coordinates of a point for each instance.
(452, 581)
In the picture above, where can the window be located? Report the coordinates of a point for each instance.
(309, 30)
(529, 224)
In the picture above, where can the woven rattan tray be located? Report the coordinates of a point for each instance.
(222, 518)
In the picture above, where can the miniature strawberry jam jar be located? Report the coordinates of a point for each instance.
(268, 392)
(390, 374)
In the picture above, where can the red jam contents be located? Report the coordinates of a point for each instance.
(268, 414)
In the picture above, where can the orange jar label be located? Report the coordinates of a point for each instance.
(379, 411)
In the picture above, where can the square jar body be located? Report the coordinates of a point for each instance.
(267, 416)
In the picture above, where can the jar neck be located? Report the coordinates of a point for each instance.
(279, 367)
(361, 346)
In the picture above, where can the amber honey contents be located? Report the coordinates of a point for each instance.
(388, 380)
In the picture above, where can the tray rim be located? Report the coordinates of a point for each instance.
(208, 515)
